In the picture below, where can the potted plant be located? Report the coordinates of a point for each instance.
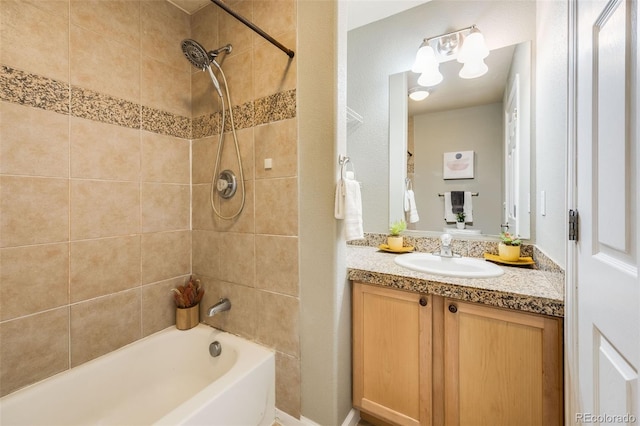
(509, 247)
(460, 220)
(187, 299)
(395, 241)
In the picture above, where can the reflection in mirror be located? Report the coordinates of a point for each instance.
(489, 116)
(378, 55)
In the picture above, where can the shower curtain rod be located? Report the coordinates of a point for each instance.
(255, 28)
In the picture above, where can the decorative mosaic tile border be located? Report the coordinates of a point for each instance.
(104, 108)
(280, 106)
(52, 95)
(33, 90)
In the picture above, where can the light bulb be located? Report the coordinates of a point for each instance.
(418, 94)
(425, 57)
(473, 47)
(473, 69)
(430, 77)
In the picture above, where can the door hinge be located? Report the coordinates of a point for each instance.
(573, 225)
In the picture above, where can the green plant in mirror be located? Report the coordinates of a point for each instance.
(397, 227)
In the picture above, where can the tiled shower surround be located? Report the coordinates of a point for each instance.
(107, 145)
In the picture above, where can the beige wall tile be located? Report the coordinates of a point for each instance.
(104, 151)
(25, 46)
(34, 210)
(104, 266)
(277, 206)
(245, 311)
(245, 221)
(165, 255)
(204, 97)
(103, 325)
(237, 258)
(277, 264)
(288, 384)
(278, 141)
(204, 157)
(33, 279)
(33, 348)
(237, 68)
(114, 71)
(165, 207)
(273, 72)
(158, 308)
(275, 16)
(206, 253)
(164, 158)
(204, 26)
(165, 87)
(118, 20)
(104, 209)
(36, 143)
(54, 7)
(278, 325)
(230, 30)
(164, 26)
(202, 213)
(229, 158)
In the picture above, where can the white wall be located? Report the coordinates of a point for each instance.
(387, 47)
(551, 127)
(477, 129)
(325, 303)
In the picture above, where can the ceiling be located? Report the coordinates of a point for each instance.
(360, 12)
(190, 6)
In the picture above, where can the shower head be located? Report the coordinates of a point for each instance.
(195, 53)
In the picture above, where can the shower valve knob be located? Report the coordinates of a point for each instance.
(222, 184)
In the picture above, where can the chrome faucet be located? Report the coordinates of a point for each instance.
(223, 305)
(445, 246)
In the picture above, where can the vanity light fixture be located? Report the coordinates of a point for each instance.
(418, 93)
(466, 45)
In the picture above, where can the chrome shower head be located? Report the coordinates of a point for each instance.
(195, 53)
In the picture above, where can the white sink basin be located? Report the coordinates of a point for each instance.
(466, 267)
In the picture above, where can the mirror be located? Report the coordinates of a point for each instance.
(488, 116)
(377, 85)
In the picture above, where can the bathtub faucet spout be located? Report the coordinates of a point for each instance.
(223, 305)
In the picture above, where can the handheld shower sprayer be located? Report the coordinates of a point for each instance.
(200, 58)
(225, 182)
(215, 81)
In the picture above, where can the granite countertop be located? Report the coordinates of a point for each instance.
(524, 289)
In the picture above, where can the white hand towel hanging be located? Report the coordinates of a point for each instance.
(449, 216)
(348, 206)
(410, 206)
(468, 207)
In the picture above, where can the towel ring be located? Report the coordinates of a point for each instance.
(344, 161)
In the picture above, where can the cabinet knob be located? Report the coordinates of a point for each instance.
(453, 308)
(423, 301)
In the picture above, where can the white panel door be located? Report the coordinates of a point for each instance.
(607, 270)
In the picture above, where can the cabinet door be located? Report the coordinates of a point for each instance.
(501, 367)
(392, 354)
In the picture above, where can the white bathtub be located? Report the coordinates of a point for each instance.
(168, 378)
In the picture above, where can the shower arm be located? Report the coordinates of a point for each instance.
(255, 28)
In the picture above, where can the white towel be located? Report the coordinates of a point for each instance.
(450, 216)
(410, 206)
(348, 206)
(338, 209)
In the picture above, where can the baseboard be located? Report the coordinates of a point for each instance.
(285, 419)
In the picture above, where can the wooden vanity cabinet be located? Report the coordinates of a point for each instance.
(423, 359)
(501, 367)
(392, 354)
